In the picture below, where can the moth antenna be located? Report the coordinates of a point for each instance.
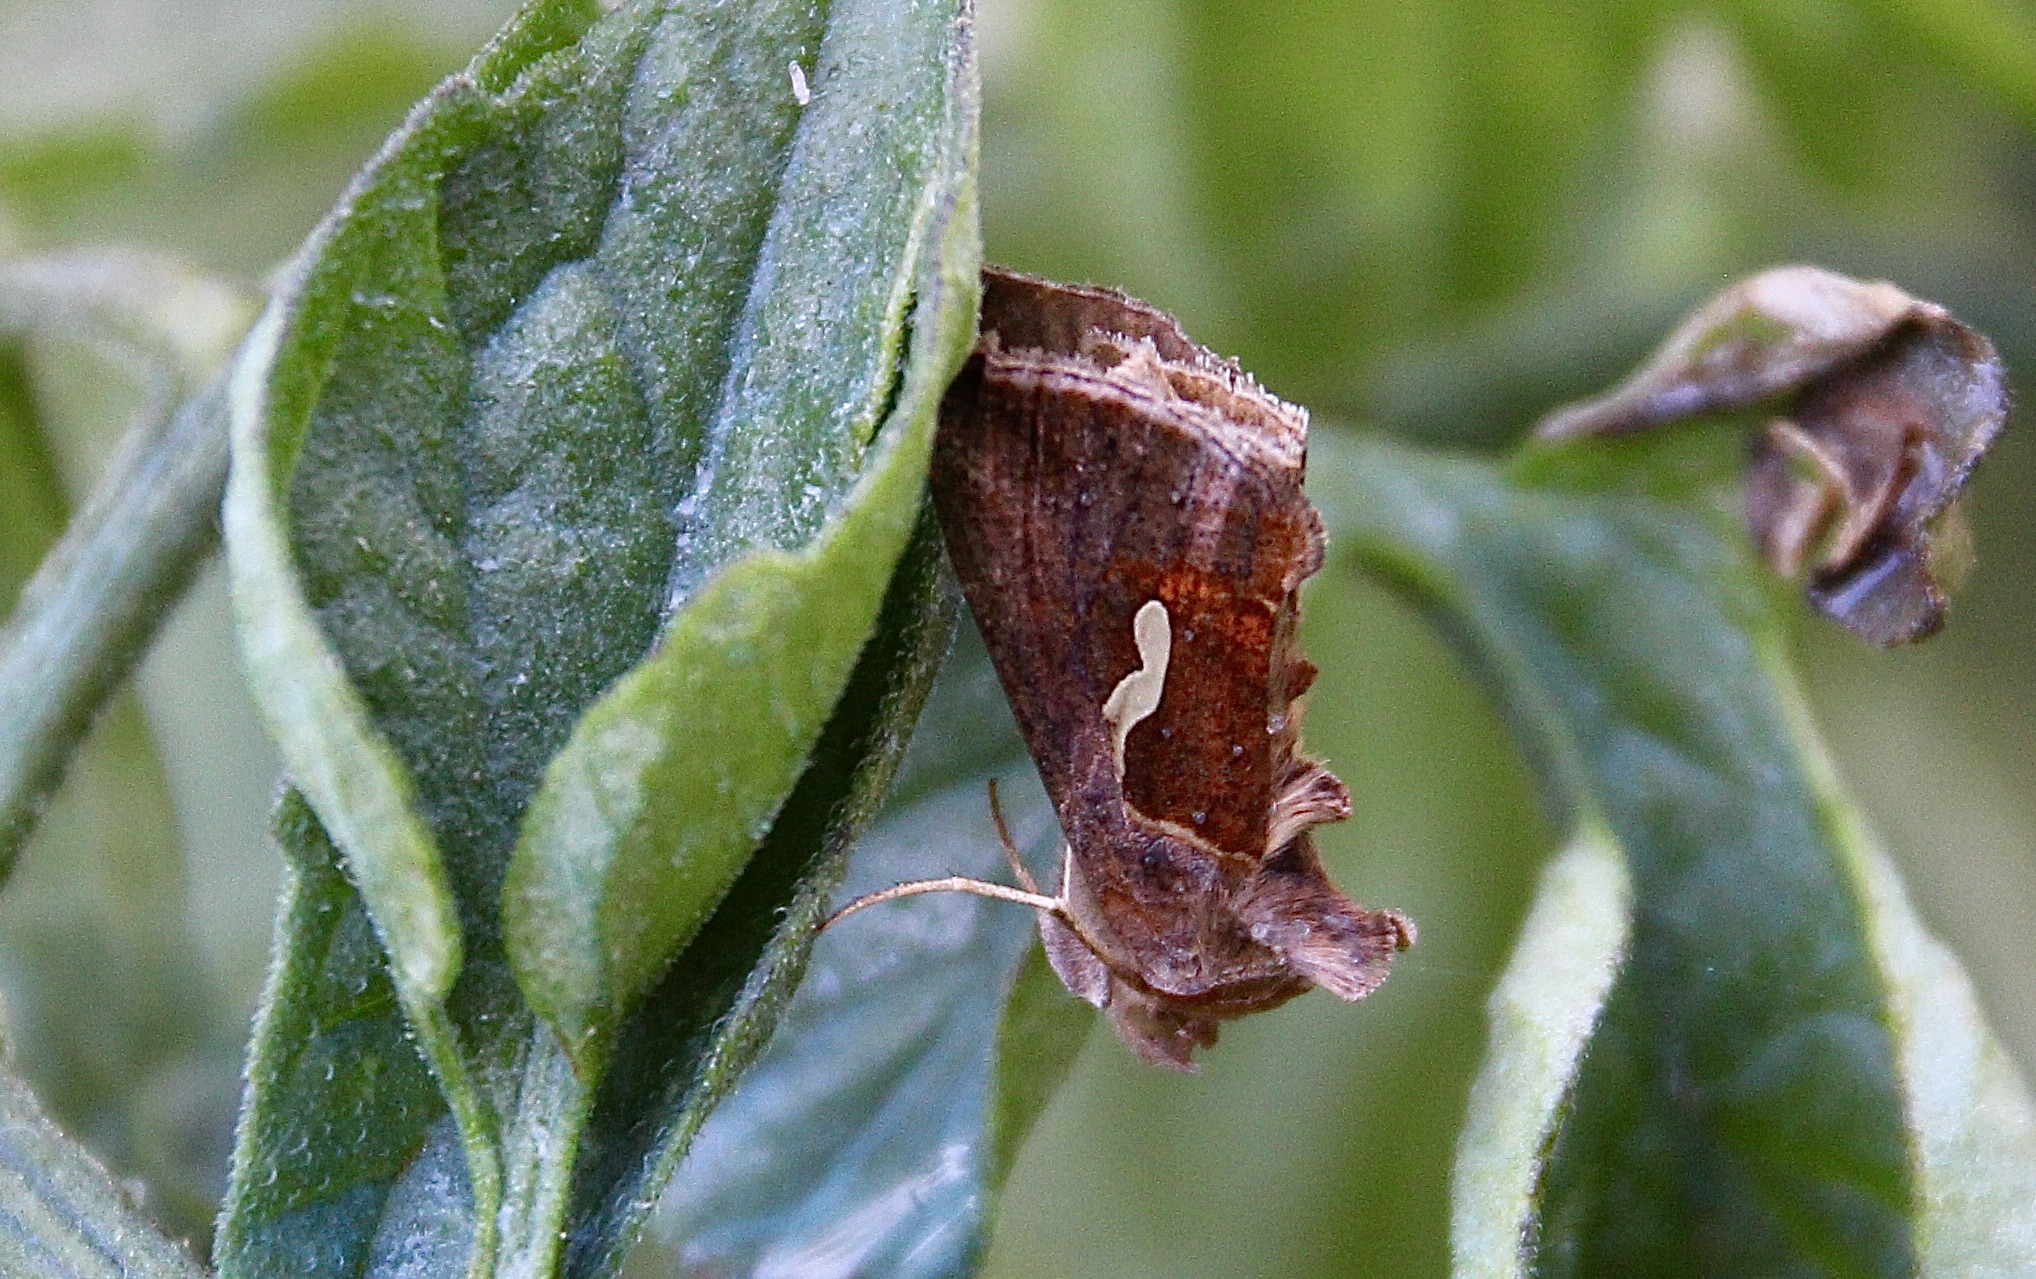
(1018, 867)
(951, 884)
(1056, 906)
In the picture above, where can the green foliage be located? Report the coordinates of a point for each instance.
(64, 1215)
(880, 1126)
(1713, 1049)
(585, 577)
(108, 1017)
(589, 431)
(1297, 186)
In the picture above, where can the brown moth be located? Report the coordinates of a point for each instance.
(1125, 514)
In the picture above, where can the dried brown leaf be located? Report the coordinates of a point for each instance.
(1884, 404)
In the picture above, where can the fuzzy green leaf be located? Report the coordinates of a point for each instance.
(715, 1008)
(856, 309)
(341, 1108)
(570, 473)
(61, 1215)
(1725, 1045)
(1542, 1013)
(348, 1158)
(879, 1128)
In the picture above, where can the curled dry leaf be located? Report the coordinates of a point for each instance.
(1884, 404)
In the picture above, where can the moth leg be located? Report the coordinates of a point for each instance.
(1075, 962)
(1018, 866)
(1160, 1034)
(1064, 915)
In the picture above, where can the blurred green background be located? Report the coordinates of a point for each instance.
(1437, 219)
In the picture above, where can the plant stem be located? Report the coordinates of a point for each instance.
(94, 605)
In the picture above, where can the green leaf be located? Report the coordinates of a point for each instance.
(340, 1105)
(1542, 1013)
(571, 469)
(348, 1158)
(61, 1215)
(879, 1128)
(715, 1008)
(1972, 1121)
(636, 832)
(1717, 1048)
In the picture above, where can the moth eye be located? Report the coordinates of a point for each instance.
(1200, 817)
